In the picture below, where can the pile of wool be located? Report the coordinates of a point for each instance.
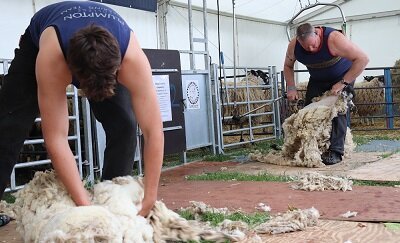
(292, 220)
(199, 208)
(314, 181)
(307, 134)
(46, 213)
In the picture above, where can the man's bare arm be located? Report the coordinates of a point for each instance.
(288, 71)
(135, 74)
(340, 46)
(53, 76)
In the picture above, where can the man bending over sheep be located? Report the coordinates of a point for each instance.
(333, 62)
(89, 45)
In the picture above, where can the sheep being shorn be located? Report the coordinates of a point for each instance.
(307, 133)
(46, 213)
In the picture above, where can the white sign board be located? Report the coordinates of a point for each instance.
(161, 82)
(192, 94)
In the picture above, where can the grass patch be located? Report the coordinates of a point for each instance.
(8, 197)
(186, 214)
(362, 136)
(236, 176)
(392, 226)
(375, 183)
(216, 218)
(218, 157)
(206, 154)
(388, 154)
(360, 140)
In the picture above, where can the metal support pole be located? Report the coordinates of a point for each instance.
(275, 106)
(162, 24)
(388, 98)
(234, 56)
(87, 128)
(191, 55)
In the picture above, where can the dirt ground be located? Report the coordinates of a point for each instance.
(374, 204)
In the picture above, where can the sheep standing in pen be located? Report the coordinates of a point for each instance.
(370, 92)
(307, 133)
(395, 73)
(254, 78)
(46, 213)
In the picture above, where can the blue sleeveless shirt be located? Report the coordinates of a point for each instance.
(69, 16)
(321, 65)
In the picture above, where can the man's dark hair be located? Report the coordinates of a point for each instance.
(94, 57)
(305, 30)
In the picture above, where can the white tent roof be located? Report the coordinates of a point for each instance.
(272, 10)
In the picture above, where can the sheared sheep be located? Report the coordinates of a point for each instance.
(46, 213)
(307, 133)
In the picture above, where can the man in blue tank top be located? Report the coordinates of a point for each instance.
(90, 45)
(333, 62)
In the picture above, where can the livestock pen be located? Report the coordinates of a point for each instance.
(376, 101)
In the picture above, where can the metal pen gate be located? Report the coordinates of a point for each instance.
(73, 137)
(258, 116)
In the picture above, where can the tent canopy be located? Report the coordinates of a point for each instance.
(272, 10)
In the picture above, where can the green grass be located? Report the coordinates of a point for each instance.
(186, 214)
(388, 154)
(375, 183)
(361, 139)
(230, 154)
(216, 218)
(229, 176)
(237, 176)
(218, 157)
(392, 226)
(8, 197)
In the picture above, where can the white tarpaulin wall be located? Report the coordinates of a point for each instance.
(16, 14)
(261, 36)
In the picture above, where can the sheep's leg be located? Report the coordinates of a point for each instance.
(241, 133)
